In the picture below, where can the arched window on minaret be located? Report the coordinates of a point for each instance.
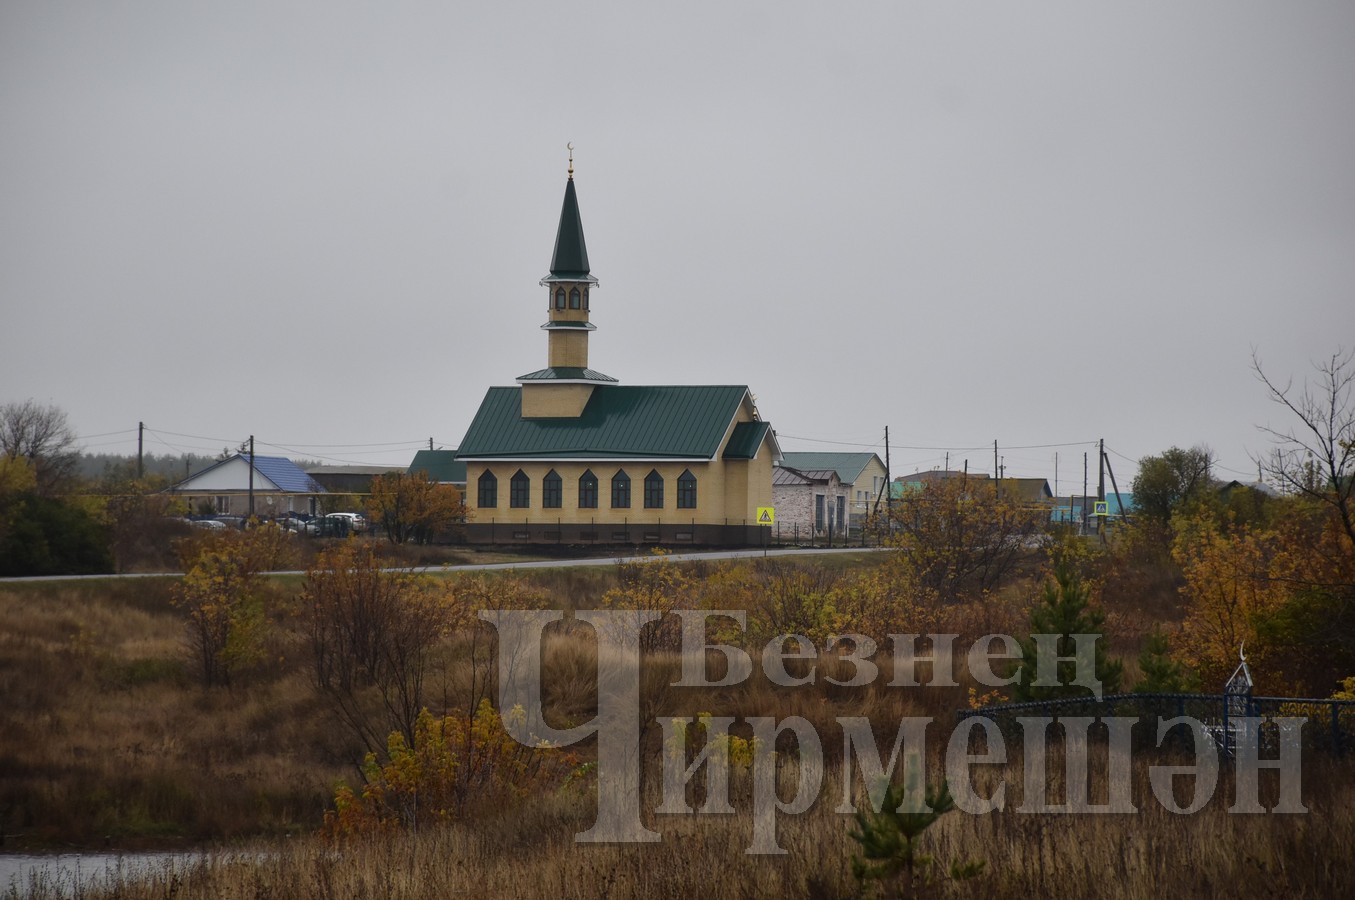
(559, 298)
(575, 301)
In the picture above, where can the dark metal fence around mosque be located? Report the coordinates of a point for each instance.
(1329, 725)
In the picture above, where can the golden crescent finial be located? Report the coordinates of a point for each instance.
(570, 145)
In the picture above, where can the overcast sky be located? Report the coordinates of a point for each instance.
(323, 223)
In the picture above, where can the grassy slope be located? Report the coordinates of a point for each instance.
(104, 733)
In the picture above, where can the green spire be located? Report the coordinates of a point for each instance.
(570, 262)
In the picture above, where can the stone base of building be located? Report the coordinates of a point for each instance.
(589, 534)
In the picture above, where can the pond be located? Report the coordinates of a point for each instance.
(66, 874)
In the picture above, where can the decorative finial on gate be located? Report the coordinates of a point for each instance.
(1241, 655)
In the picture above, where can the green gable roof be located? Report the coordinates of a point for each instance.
(441, 466)
(619, 421)
(848, 466)
(745, 440)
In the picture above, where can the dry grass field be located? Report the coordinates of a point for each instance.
(107, 738)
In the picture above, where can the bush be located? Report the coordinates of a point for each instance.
(455, 766)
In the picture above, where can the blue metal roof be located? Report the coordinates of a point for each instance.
(287, 475)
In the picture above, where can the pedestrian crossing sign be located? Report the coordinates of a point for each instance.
(1101, 508)
(766, 515)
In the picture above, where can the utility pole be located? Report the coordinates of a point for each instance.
(430, 443)
(1101, 477)
(1056, 473)
(251, 477)
(1101, 487)
(997, 471)
(140, 447)
(889, 494)
(1119, 502)
(1082, 527)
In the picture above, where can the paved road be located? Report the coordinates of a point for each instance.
(533, 564)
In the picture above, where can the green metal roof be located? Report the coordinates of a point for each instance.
(570, 260)
(745, 440)
(619, 421)
(441, 466)
(566, 373)
(848, 466)
(587, 326)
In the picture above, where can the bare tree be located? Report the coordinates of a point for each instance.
(371, 629)
(1316, 458)
(40, 434)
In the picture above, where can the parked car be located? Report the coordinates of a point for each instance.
(356, 521)
(334, 525)
(295, 522)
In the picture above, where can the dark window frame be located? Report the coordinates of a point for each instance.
(552, 490)
(686, 490)
(559, 298)
(653, 490)
(520, 491)
(620, 490)
(588, 490)
(575, 299)
(487, 491)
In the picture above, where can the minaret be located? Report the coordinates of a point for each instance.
(562, 389)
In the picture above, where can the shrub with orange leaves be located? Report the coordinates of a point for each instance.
(1284, 591)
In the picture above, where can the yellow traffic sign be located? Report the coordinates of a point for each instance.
(766, 515)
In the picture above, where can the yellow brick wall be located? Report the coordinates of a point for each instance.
(547, 401)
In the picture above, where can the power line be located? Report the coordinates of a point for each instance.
(333, 459)
(420, 442)
(939, 448)
(86, 437)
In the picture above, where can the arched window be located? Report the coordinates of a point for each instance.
(620, 490)
(653, 490)
(574, 301)
(559, 298)
(552, 493)
(588, 490)
(687, 490)
(585, 298)
(489, 490)
(520, 491)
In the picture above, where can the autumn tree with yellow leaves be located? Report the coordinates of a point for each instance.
(409, 507)
(221, 593)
